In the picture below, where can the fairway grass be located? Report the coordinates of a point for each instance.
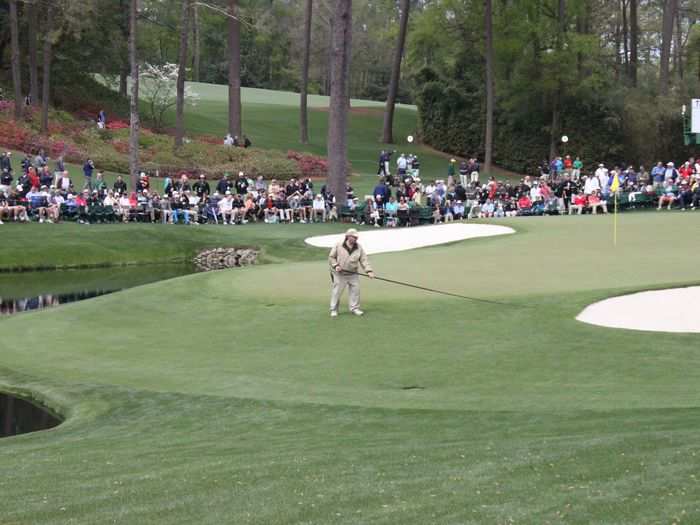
(232, 397)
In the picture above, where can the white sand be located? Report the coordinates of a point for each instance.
(673, 310)
(400, 239)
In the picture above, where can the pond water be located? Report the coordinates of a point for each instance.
(26, 291)
(21, 416)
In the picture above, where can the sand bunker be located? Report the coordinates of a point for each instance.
(400, 239)
(673, 310)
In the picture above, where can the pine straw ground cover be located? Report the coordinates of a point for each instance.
(231, 397)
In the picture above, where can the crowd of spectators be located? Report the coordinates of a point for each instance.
(399, 198)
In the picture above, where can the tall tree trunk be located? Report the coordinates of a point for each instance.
(134, 101)
(16, 71)
(488, 34)
(32, 31)
(234, 70)
(388, 130)
(125, 66)
(46, 81)
(555, 128)
(625, 38)
(679, 45)
(182, 74)
(666, 37)
(123, 76)
(195, 43)
(338, 108)
(303, 90)
(634, 41)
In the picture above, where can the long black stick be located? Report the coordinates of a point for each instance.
(409, 285)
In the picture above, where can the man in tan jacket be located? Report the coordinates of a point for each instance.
(345, 260)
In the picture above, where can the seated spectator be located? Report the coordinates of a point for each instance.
(166, 209)
(669, 195)
(297, 210)
(685, 195)
(16, 207)
(83, 206)
(226, 209)
(390, 212)
(124, 209)
(55, 200)
(524, 205)
(371, 213)
(270, 210)
(38, 202)
(487, 209)
(578, 203)
(595, 201)
(285, 213)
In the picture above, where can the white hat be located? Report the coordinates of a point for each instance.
(352, 232)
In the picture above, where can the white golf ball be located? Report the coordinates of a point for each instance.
(409, 138)
(564, 138)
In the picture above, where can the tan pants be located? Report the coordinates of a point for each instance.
(340, 281)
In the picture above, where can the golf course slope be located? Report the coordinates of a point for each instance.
(232, 397)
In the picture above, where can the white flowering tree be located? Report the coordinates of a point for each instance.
(159, 89)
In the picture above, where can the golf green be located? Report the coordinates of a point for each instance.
(232, 397)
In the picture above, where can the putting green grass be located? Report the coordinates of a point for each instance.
(232, 397)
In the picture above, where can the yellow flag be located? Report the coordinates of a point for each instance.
(615, 184)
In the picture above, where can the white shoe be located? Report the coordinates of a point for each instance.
(358, 312)
(41, 221)
(334, 313)
(1, 223)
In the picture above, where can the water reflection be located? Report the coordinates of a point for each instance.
(9, 306)
(20, 416)
(26, 291)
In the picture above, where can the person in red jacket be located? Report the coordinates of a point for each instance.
(578, 202)
(686, 171)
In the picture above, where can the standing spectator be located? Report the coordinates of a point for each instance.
(201, 187)
(578, 166)
(402, 166)
(6, 163)
(119, 186)
(671, 172)
(143, 183)
(657, 175)
(26, 163)
(451, 172)
(45, 177)
(41, 159)
(224, 184)
(102, 119)
(241, 184)
(88, 168)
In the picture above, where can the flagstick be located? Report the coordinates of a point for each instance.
(615, 222)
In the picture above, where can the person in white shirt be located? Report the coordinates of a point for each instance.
(319, 206)
(592, 184)
(402, 164)
(54, 210)
(124, 207)
(226, 209)
(109, 200)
